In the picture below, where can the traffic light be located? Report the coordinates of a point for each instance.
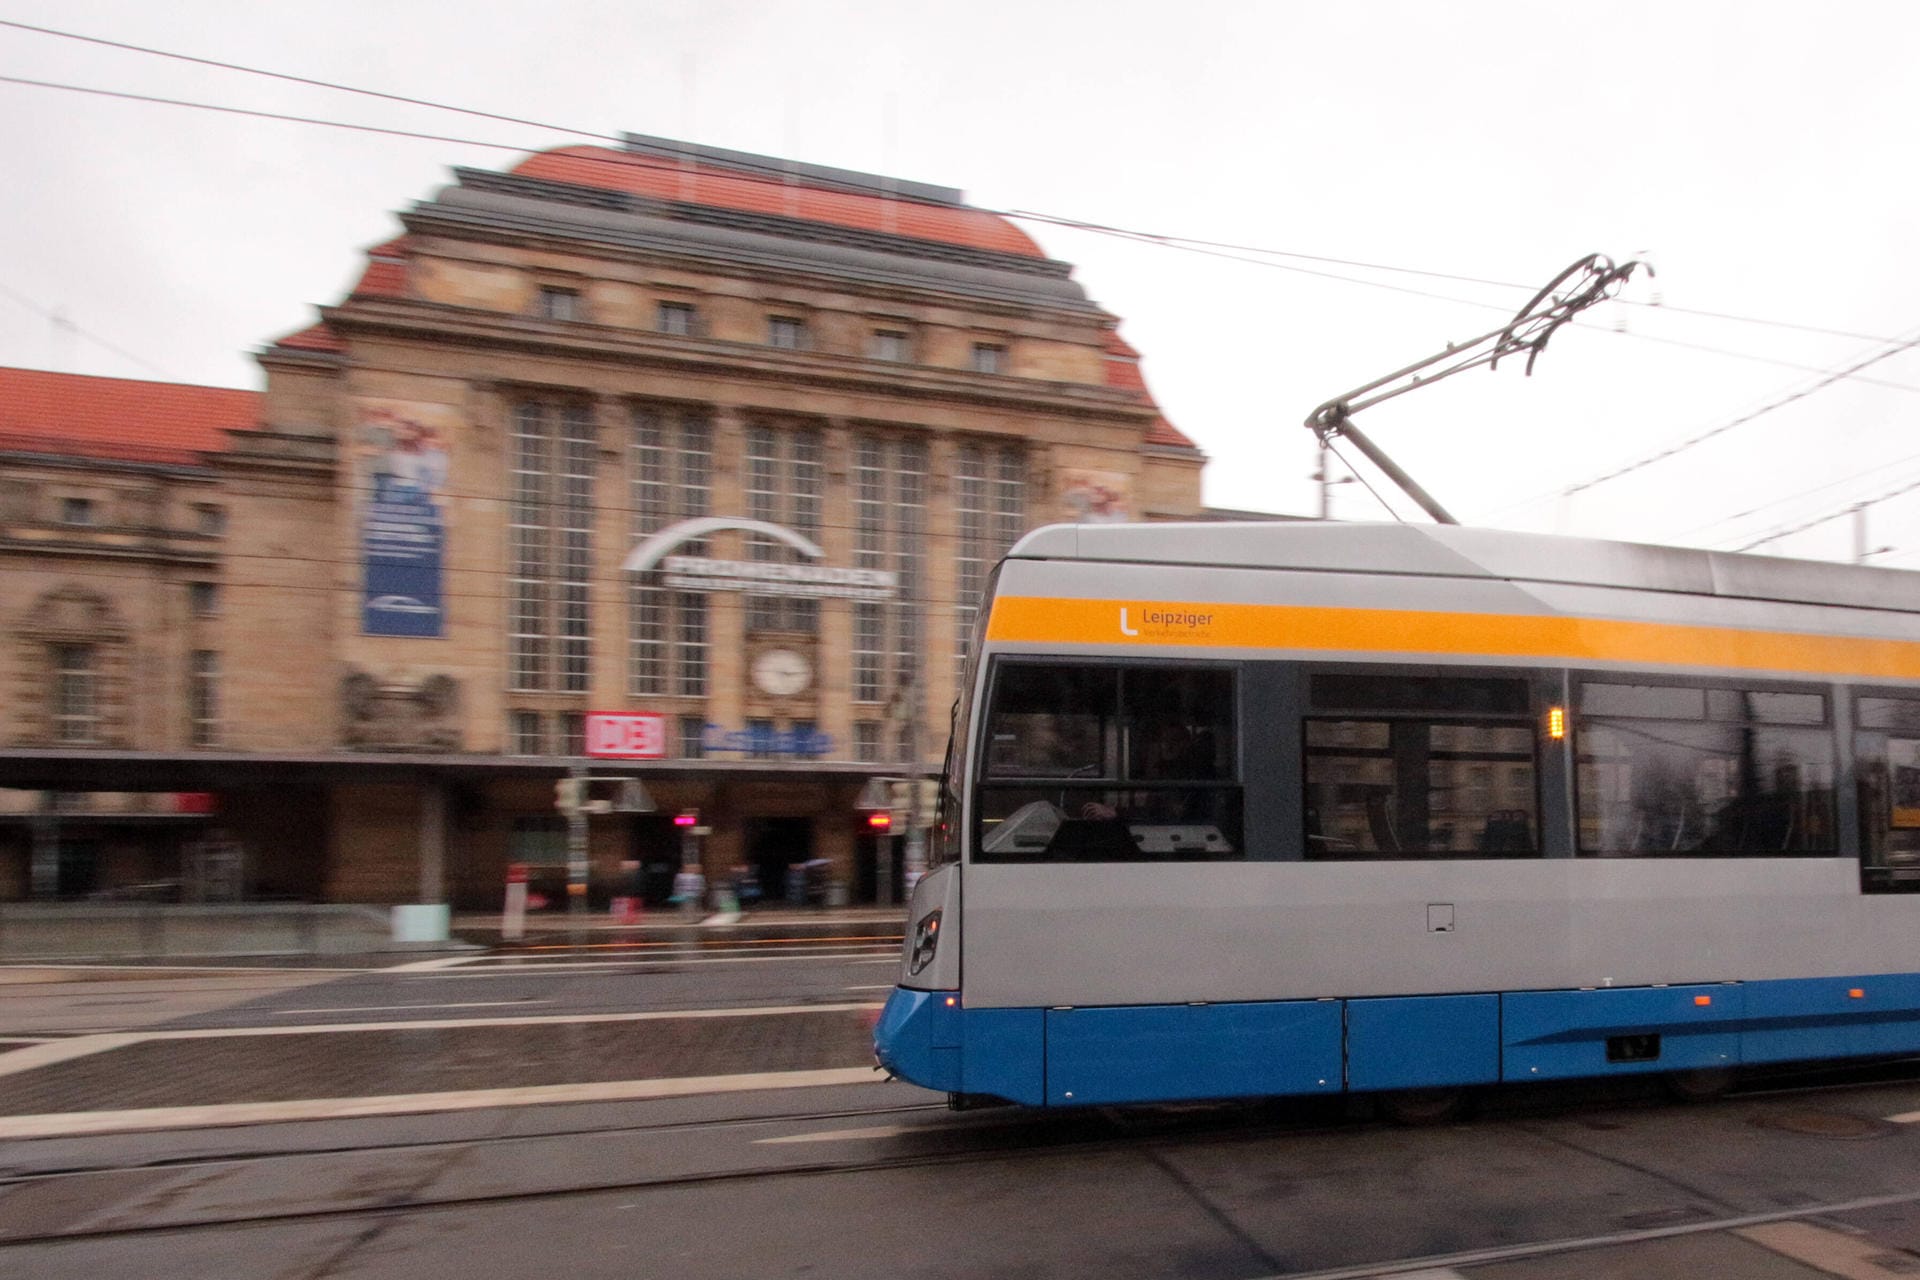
(880, 822)
(687, 818)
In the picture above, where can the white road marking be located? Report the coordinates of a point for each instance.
(395, 1008)
(131, 970)
(845, 1135)
(438, 962)
(648, 961)
(57, 1051)
(236, 1113)
(1905, 1117)
(532, 1020)
(878, 986)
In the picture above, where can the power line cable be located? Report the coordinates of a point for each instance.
(1837, 376)
(1789, 530)
(56, 318)
(777, 174)
(1798, 494)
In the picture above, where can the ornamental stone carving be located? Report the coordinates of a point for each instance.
(418, 717)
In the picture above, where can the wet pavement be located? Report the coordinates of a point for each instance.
(200, 1068)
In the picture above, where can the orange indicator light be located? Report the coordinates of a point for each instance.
(951, 1002)
(1855, 993)
(1703, 1000)
(1556, 722)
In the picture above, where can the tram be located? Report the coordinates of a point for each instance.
(1285, 808)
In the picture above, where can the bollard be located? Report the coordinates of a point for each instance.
(513, 915)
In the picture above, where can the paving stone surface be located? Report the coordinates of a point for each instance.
(276, 1068)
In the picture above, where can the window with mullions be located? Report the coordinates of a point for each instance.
(1110, 764)
(1887, 763)
(1420, 767)
(1677, 771)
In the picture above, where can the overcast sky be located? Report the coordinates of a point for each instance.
(1761, 155)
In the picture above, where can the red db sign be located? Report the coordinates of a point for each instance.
(627, 735)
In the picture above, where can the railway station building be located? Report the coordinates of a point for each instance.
(724, 443)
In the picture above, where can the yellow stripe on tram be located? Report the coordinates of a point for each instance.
(1051, 620)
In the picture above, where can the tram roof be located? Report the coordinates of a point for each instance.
(1455, 551)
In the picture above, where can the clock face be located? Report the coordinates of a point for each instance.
(782, 672)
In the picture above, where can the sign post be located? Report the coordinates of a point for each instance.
(577, 845)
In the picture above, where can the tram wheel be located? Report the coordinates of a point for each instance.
(1703, 1084)
(1414, 1107)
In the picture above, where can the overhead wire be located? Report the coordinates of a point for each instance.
(1787, 531)
(63, 322)
(776, 174)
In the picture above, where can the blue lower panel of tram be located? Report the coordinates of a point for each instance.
(1192, 1051)
(1150, 1053)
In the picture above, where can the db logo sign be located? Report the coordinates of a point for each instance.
(627, 735)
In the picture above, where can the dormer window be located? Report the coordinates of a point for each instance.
(890, 344)
(555, 303)
(676, 318)
(989, 357)
(788, 332)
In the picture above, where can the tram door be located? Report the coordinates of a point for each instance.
(775, 847)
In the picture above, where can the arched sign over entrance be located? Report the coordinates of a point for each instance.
(760, 577)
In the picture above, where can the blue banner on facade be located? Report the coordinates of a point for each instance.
(402, 530)
(403, 549)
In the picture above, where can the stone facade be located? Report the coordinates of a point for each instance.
(548, 366)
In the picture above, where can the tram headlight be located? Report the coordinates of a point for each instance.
(926, 940)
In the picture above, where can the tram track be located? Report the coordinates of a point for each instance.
(986, 1137)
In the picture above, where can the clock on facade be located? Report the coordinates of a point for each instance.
(782, 672)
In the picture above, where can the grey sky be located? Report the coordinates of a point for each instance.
(1762, 155)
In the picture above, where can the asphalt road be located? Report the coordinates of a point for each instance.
(687, 1163)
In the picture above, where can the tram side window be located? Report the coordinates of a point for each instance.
(1109, 764)
(1677, 771)
(1887, 762)
(1420, 767)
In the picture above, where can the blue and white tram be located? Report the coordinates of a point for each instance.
(1268, 809)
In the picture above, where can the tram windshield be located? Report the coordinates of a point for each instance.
(1116, 763)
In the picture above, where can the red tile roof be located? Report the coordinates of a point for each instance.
(79, 416)
(1123, 372)
(319, 337)
(383, 279)
(612, 170)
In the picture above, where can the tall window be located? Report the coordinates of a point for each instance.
(889, 519)
(669, 469)
(690, 646)
(784, 482)
(550, 536)
(675, 318)
(203, 599)
(524, 734)
(693, 731)
(1689, 772)
(1405, 767)
(989, 514)
(203, 699)
(789, 332)
(558, 304)
(76, 695)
